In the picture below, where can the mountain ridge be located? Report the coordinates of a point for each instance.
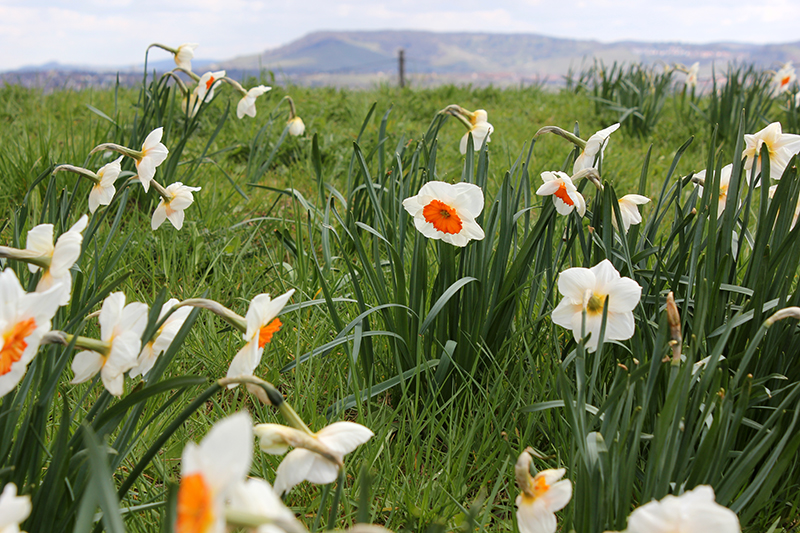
(362, 57)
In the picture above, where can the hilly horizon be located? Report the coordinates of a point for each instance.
(361, 57)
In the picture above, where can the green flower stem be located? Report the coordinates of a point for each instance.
(95, 345)
(275, 398)
(28, 256)
(293, 418)
(189, 73)
(460, 113)
(86, 173)
(178, 81)
(292, 110)
(133, 154)
(161, 191)
(217, 308)
(577, 141)
(163, 47)
(235, 84)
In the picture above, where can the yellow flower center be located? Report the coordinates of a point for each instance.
(443, 217)
(194, 505)
(595, 304)
(540, 486)
(266, 333)
(723, 192)
(14, 344)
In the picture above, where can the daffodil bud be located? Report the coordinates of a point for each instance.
(674, 321)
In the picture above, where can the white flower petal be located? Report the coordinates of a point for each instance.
(574, 282)
(85, 365)
(293, 470)
(344, 437)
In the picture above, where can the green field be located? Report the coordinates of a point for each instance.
(448, 355)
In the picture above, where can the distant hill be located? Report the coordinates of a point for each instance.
(483, 58)
(364, 57)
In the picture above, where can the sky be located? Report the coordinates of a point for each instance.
(117, 32)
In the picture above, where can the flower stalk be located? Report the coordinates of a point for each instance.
(217, 308)
(85, 343)
(86, 173)
(27, 256)
(571, 137)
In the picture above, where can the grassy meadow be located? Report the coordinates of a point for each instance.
(447, 354)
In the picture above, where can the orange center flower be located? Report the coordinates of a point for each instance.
(14, 344)
(265, 335)
(540, 486)
(785, 80)
(443, 217)
(561, 193)
(194, 505)
(210, 82)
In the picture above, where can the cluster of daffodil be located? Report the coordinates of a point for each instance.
(214, 489)
(694, 511)
(207, 83)
(782, 79)
(781, 146)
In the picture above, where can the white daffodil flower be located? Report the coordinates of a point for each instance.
(480, 129)
(162, 339)
(591, 289)
(210, 471)
(691, 76)
(296, 126)
(190, 104)
(594, 149)
(796, 209)
(61, 256)
(24, 319)
(447, 212)
(103, 191)
(184, 55)
(247, 105)
(781, 146)
(180, 198)
(262, 323)
(121, 328)
(207, 84)
(783, 79)
(13, 509)
(303, 464)
(724, 185)
(542, 495)
(629, 211)
(153, 154)
(694, 511)
(256, 499)
(565, 195)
